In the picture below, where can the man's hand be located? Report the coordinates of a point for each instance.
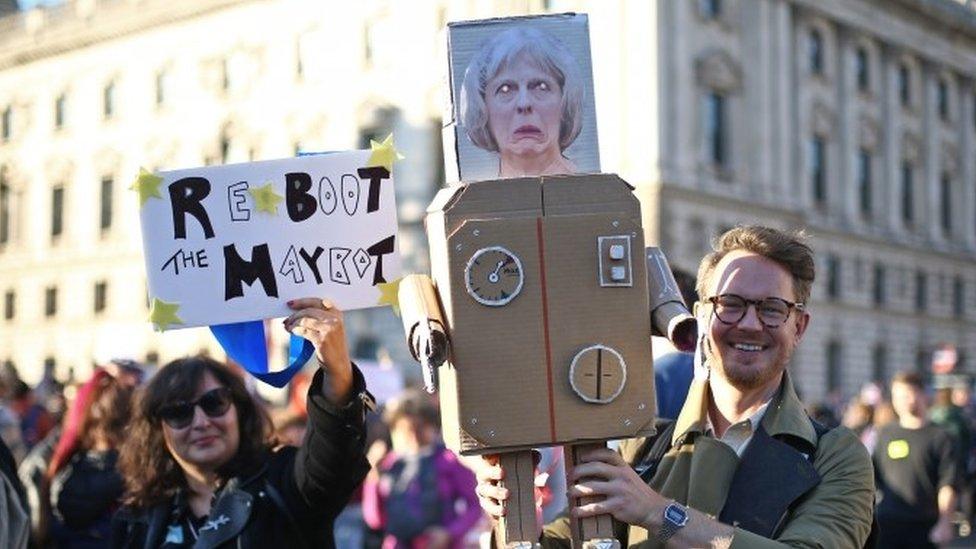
(602, 472)
(320, 322)
(491, 496)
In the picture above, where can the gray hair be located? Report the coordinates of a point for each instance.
(500, 50)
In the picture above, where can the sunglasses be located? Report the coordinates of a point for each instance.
(214, 403)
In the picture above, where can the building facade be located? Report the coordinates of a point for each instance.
(854, 120)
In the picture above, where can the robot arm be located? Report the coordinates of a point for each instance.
(669, 314)
(424, 325)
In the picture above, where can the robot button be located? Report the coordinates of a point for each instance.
(617, 251)
(618, 274)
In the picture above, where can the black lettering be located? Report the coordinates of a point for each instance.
(313, 262)
(186, 196)
(301, 204)
(378, 250)
(376, 175)
(238, 272)
(202, 259)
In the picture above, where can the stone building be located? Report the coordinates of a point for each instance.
(852, 119)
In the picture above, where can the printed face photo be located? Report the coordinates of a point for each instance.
(522, 92)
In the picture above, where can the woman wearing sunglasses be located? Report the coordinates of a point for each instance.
(199, 463)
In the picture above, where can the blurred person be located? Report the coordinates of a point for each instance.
(82, 487)
(859, 418)
(415, 492)
(201, 467)
(950, 417)
(522, 98)
(916, 472)
(35, 420)
(14, 519)
(290, 428)
(10, 431)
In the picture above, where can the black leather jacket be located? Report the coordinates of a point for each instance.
(290, 503)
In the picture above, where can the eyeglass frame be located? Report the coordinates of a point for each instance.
(222, 392)
(790, 305)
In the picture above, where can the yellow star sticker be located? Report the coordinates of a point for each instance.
(266, 199)
(384, 154)
(163, 314)
(147, 185)
(388, 295)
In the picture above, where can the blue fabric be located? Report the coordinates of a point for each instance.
(673, 373)
(245, 343)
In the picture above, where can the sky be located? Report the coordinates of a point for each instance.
(28, 4)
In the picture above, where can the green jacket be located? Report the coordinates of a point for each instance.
(775, 488)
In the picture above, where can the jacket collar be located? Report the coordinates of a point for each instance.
(785, 415)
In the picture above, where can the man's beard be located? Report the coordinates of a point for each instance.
(751, 377)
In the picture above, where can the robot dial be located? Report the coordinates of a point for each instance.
(494, 276)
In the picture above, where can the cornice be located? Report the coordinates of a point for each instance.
(41, 33)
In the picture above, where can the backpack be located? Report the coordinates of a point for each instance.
(413, 502)
(655, 448)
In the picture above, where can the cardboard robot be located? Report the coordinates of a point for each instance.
(536, 322)
(537, 317)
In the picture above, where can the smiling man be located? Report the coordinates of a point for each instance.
(743, 465)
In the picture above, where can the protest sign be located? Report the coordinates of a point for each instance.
(234, 243)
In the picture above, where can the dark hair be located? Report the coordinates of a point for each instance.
(411, 403)
(909, 378)
(151, 474)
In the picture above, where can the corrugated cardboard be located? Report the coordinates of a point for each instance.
(519, 522)
(507, 384)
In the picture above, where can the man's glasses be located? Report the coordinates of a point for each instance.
(772, 311)
(214, 403)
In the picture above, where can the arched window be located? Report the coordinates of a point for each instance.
(815, 54)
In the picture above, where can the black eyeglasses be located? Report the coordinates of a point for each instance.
(772, 311)
(214, 403)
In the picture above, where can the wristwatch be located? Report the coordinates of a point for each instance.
(675, 518)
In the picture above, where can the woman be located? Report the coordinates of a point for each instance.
(199, 464)
(421, 495)
(522, 98)
(82, 488)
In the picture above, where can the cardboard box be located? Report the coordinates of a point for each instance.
(543, 287)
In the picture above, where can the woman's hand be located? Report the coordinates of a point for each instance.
(320, 322)
(603, 472)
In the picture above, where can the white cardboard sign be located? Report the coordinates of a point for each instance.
(327, 228)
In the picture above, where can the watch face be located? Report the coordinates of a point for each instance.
(675, 515)
(493, 276)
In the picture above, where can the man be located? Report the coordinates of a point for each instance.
(916, 471)
(746, 466)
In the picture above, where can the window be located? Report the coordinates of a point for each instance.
(710, 9)
(907, 193)
(815, 52)
(945, 203)
(57, 211)
(904, 85)
(834, 367)
(715, 129)
(863, 70)
(105, 210)
(9, 305)
(942, 96)
(299, 62)
(108, 100)
(5, 200)
(224, 147)
(6, 124)
(833, 277)
(878, 290)
(50, 301)
(818, 170)
(49, 365)
(921, 291)
(958, 297)
(152, 358)
(101, 292)
(60, 107)
(224, 75)
(879, 364)
(864, 181)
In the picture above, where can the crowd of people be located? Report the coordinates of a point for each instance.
(191, 456)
